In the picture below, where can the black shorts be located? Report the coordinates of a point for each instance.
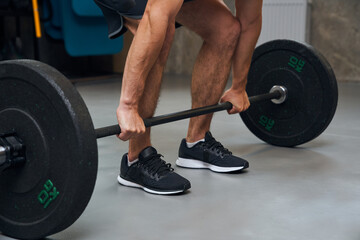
(135, 13)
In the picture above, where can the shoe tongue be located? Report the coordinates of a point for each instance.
(208, 136)
(147, 153)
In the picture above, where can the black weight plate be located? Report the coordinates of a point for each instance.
(312, 93)
(53, 188)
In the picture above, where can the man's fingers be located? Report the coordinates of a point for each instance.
(238, 110)
(233, 111)
(125, 135)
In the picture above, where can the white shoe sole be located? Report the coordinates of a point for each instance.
(135, 185)
(193, 163)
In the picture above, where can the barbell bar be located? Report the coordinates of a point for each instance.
(172, 117)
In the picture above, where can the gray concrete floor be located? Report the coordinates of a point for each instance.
(308, 192)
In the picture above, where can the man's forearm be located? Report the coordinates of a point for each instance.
(142, 55)
(146, 47)
(250, 31)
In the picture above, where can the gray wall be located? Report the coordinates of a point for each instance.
(334, 30)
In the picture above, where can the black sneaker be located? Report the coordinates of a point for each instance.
(152, 174)
(209, 154)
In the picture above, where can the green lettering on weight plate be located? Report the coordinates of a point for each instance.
(266, 122)
(296, 63)
(48, 194)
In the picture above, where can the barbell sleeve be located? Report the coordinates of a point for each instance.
(172, 117)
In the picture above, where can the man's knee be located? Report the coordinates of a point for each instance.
(226, 34)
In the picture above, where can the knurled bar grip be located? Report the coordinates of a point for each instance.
(172, 117)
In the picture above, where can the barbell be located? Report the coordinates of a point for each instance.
(48, 148)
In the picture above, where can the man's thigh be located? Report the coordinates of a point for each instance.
(205, 17)
(132, 16)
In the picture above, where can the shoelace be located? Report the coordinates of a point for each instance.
(155, 165)
(217, 147)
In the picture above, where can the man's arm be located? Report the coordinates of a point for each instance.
(249, 13)
(142, 55)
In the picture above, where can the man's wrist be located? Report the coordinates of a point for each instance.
(128, 104)
(239, 86)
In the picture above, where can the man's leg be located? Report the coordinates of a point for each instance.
(150, 172)
(214, 22)
(152, 89)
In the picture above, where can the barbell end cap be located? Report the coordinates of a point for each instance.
(282, 90)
